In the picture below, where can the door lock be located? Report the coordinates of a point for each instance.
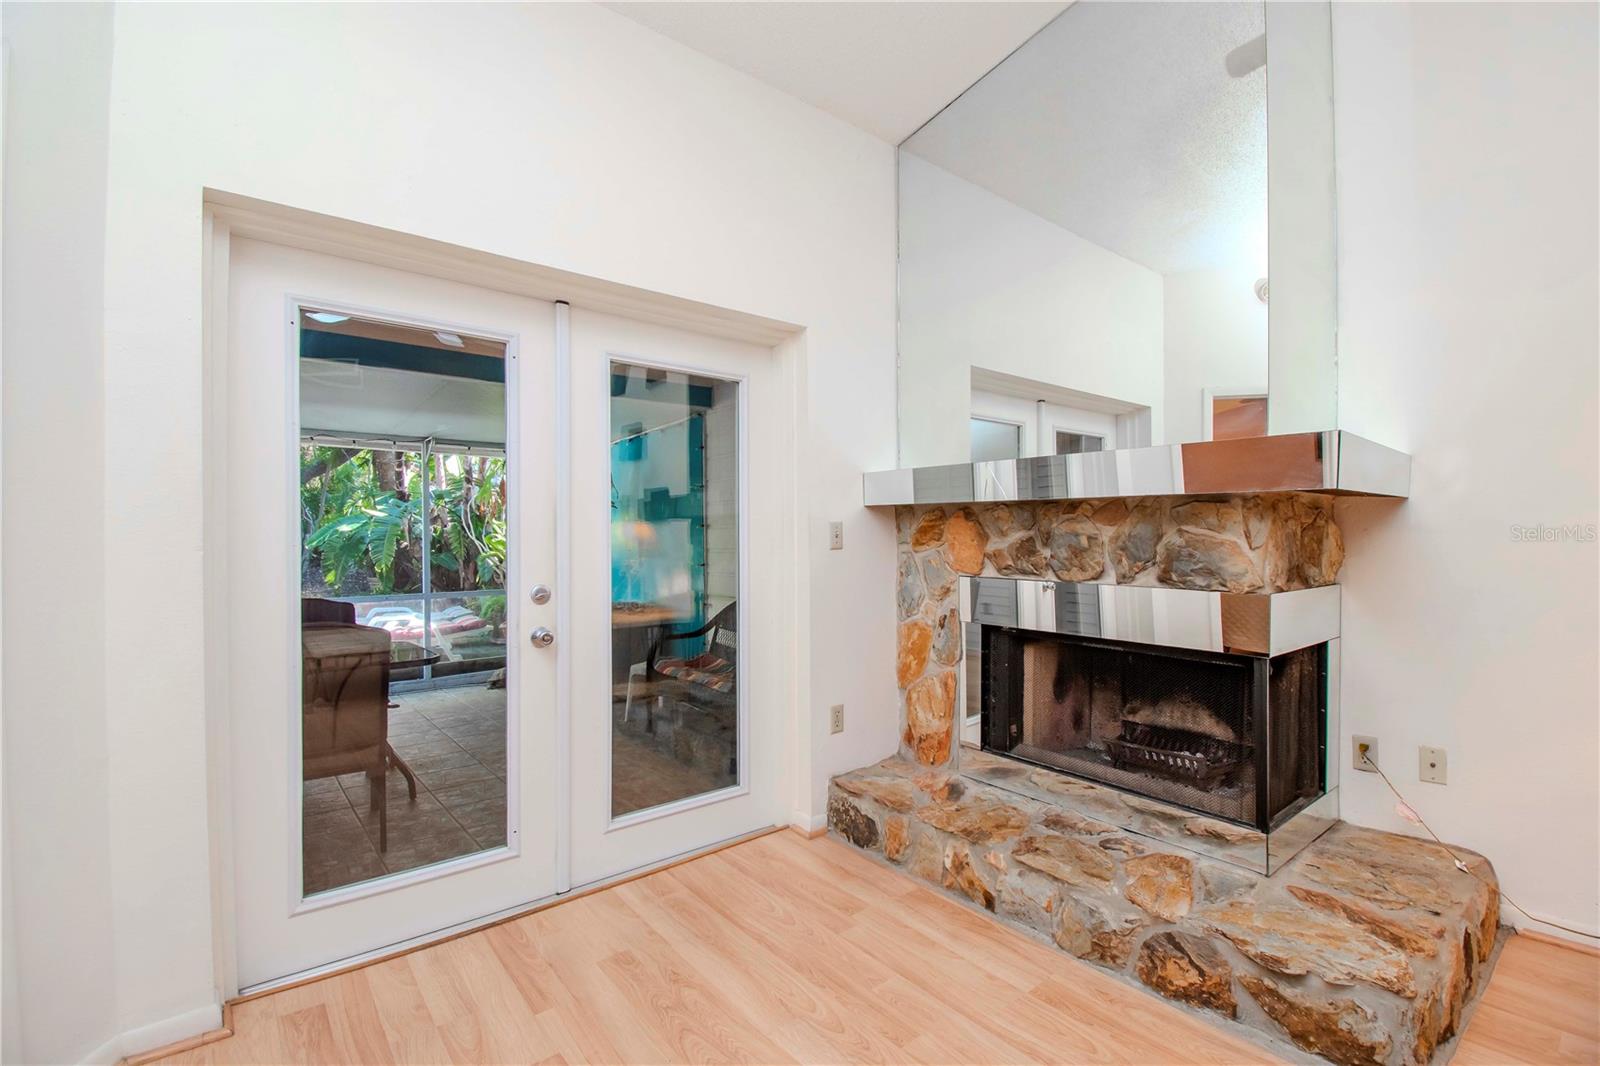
(543, 637)
(540, 594)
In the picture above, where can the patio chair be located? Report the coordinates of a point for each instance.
(711, 675)
(344, 708)
(313, 609)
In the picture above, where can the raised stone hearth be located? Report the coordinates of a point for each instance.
(1239, 544)
(1365, 948)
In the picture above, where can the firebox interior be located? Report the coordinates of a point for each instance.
(1238, 737)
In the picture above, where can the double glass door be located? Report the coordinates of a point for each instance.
(486, 580)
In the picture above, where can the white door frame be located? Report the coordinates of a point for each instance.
(279, 925)
(610, 842)
(226, 216)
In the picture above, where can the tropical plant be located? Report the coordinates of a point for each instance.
(362, 522)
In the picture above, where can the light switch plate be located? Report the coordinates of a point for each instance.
(1432, 765)
(835, 539)
(1355, 753)
(836, 718)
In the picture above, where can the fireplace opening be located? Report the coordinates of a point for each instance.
(1238, 737)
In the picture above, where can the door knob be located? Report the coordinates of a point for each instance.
(543, 637)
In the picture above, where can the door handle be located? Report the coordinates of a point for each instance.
(543, 637)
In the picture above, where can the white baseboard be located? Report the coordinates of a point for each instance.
(157, 1034)
(808, 823)
(1533, 924)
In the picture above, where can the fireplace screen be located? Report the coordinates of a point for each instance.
(1239, 737)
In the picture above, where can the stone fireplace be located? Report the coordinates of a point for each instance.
(1242, 550)
(1119, 725)
(1173, 648)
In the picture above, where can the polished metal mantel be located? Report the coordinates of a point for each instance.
(1234, 623)
(1332, 461)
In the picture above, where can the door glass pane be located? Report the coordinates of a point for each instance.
(674, 586)
(995, 440)
(402, 582)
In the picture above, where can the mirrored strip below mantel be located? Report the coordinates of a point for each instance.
(1332, 461)
(1240, 624)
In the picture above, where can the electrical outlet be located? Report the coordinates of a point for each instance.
(835, 541)
(1362, 749)
(1431, 765)
(836, 718)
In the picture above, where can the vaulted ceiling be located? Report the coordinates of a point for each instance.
(883, 67)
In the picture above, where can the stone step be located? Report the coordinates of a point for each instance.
(1366, 948)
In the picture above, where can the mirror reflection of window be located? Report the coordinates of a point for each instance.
(1068, 443)
(992, 440)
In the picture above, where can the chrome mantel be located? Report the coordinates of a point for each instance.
(1331, 461)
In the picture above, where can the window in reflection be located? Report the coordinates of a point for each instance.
(1069, 443)
(674, 586)
(402, 578)
(994, 440)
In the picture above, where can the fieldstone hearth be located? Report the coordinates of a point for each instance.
(1364, 949)
(1240, 544)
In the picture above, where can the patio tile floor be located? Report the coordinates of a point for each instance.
(454, 740)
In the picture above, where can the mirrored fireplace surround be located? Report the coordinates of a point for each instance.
(1210, 712)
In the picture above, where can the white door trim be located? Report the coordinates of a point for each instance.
(226, 216)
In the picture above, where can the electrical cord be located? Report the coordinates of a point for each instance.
(1409, 812)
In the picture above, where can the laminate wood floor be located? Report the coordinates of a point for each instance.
(785, 950)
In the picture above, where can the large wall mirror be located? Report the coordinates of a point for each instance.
(1123, 235)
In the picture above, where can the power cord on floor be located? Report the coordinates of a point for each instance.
(1409, 813)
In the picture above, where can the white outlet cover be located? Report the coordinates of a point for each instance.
(1432, 765)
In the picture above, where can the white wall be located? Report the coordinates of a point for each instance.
(59, 879)
(985, 283)
(1467, 151)
(1215, 336)
(558, 134)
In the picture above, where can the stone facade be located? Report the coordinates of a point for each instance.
(1364, 949)
(1242, 544)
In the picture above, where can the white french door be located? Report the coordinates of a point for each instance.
(382, 429)
(676, 691)
(501, 600)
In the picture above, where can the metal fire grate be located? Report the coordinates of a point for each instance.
(1178, 753)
